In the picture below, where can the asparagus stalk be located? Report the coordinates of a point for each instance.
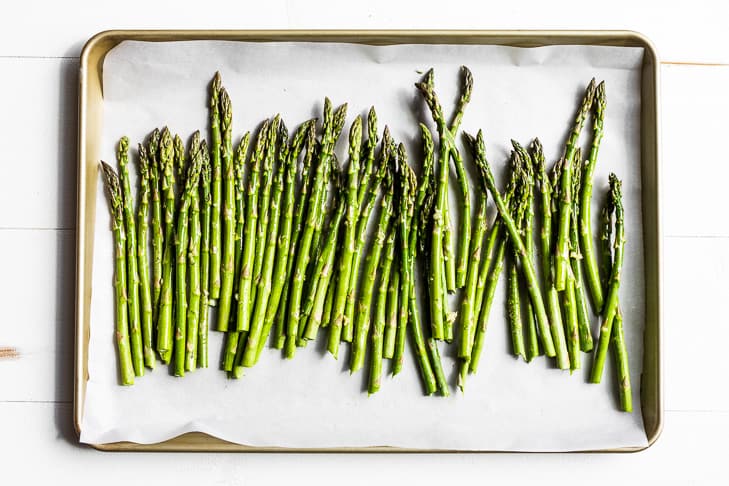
(264, 201)
(546, 189)
(437, 257)
(513, 305)
(157, 237)
(468, 305)
(164, 321)
(362, 319)
(205, 216)
(378, 330)
(553, 297)
(367, 163)
(349, 240)
(333, 124)
(227, 260)
(585, 218)
(513, 300)
(565, 206)
(245, 275)
(216, 238)
(572, 330)
(132, 270)
(532, 348)
(265, 279)
(116, 206)
(621, 363)
(606, 228)
(324, 267)
(583, 315)
(421, 351)
(527, 266)
(354, 279)
(313, 276)
(489, 291)
(285, 243)
(312, 151)
(193, 265)
(611, 304)
(239, 162)
(455, 279)
(145, 292)
(545, 192)
(408, 187)
(393, 294)
(465, 226)
(191, 182)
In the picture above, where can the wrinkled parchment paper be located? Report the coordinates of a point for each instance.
(312, 401)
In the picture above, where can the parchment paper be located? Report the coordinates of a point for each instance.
(312, 401)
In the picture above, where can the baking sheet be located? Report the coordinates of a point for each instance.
(312, 401)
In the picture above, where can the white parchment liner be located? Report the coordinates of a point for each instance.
(312, 401)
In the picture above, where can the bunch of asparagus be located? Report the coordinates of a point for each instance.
(275, 238)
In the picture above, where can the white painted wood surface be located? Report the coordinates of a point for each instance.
(39, 45)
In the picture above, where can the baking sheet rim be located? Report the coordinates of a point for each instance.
(106, 40)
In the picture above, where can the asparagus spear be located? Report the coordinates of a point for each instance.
(393, 294)
(132, 271)
(367, 167)
(178, 147)
(205, 216)
(312, 150)
(367, 207)
(145, 292)
(419, 215)
(426, 370)
(362, 319)
(157, 236)
(565, 206)
(527, 266)
(193, 264)
(333, 124)
(611, 304)
(465, 226)
(583, 316)
(455, 279)
(468, 304)
(585, 217)
(116, 206)
(191, 182)
(227, 260)
(245, 275)
(438, 259)
(216, 238)
(621, 363)
(164, 321)
(285, 243)
(349, 241)
(408, 187)
(324, 267)
(239, 163)
(546, 189)
(606, 228)
(264, 281)
(553, 302)
(264, 201)
(326, 317)
(532, 349)
(378, 330)
(569, 296)
(513, 301)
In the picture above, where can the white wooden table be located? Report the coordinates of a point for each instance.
(39, 47)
